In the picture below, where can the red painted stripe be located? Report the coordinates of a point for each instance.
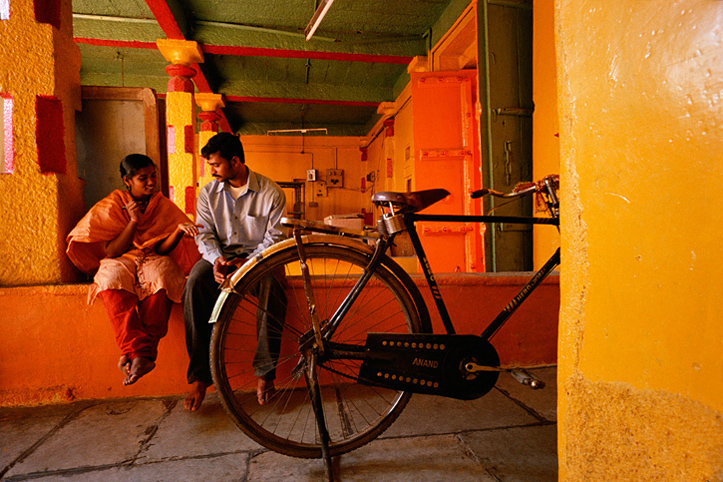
(48, 11)
(50, 134)
(189, 133)
(116, 43)
(165, 19)
(303, 54)
(281, 100)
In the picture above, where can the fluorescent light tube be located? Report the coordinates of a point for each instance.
(317, 17)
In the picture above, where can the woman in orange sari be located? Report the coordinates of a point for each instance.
(133, 242)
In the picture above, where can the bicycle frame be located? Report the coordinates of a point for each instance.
(411, 218)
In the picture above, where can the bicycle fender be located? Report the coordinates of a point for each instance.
(329, 240)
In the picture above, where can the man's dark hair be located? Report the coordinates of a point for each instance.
(227, 145)
(132, 163)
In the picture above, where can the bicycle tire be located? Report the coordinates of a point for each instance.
(355, 414)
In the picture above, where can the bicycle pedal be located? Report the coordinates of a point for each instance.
(430, 364)
(528, 379)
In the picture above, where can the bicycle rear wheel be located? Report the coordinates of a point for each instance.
(355, 414)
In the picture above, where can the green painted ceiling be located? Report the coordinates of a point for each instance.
(256, 55)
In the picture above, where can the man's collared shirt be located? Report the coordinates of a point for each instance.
(239, 227)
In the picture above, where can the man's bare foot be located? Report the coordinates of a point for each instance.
(139, 367)
(264, 390)
(196, 396)
(124, 365)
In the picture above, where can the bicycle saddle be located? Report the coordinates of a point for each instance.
(410, 202)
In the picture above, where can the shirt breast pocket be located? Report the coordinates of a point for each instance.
(255, 226)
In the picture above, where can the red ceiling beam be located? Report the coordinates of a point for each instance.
(283, 100)
(132, 44)
(260, 52)
(165, 19)
(304, 54)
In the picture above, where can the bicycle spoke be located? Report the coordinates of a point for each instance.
(353, 414)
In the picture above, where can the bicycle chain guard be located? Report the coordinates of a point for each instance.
(431, 364)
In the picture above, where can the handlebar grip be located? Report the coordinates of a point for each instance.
(479, 193)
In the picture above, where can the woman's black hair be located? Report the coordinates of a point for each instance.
(132, 163)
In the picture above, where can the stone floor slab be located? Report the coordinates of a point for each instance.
(104, 434)
(419, 459)
(526, 454)
(429, 414)
(191, 434)
(544, 401)
(509, 435)
(224, 468)
(21, 428)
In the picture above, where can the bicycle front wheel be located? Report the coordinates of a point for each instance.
(262, 328)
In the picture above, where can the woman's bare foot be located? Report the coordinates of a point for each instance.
(139, 367)
(124, 365)
(196, 396)
(264, 390)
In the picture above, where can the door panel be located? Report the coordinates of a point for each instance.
(506, 97)
(446, 156)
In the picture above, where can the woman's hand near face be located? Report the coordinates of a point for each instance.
(122, 243)
(134, 210)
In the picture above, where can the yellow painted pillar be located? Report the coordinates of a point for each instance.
(545, 127)
(39, 93)
(640, 371)
(181, 120)
(209, 104)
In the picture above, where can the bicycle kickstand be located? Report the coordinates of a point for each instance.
(312, 383)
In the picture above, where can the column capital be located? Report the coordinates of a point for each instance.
(180, 52)
(209, 102)
(387, 109)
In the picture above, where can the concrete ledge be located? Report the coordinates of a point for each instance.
(57, 349)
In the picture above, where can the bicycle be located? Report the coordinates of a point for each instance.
(356, 340)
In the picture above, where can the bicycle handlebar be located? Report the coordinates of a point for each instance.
(520, 190)
(515, 193)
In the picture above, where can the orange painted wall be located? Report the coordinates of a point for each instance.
(286, 158)
(63, 350)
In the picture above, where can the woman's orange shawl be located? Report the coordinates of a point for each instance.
(107, 219)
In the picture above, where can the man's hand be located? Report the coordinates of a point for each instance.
(220, 269)
(223, 267)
